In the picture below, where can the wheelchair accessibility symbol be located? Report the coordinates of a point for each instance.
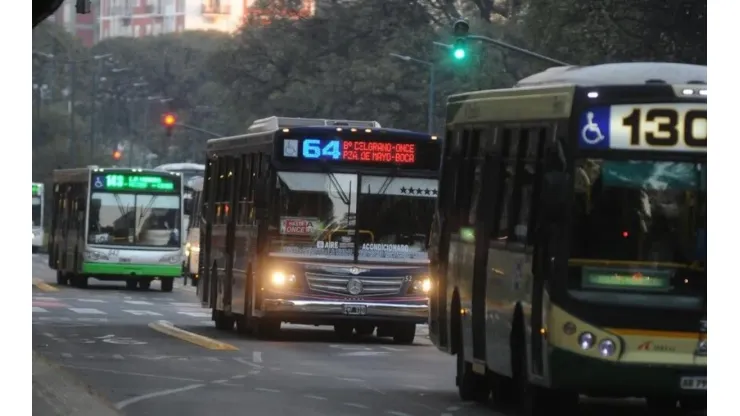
(591, 132)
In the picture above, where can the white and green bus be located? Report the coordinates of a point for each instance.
(116, 224)
(37, 216)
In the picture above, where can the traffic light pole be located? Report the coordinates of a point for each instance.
(198, 129)
(529, 53)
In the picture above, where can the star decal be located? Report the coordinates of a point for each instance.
(434, 192)
(427, 191)
(403, 189)
(418, 191)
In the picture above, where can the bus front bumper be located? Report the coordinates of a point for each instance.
(599, 378)
(322, 311)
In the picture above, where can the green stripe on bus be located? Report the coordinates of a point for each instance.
(158, 270)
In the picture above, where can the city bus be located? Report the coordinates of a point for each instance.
(192, 245)
(189, 172)
(569, 243)
(116, 224)
(37, 216)
(319, 222)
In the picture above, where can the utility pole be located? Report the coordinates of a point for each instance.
(94, 99)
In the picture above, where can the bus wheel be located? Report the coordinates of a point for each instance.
(167, 284)
(242, 325)
(61, 278)
(79, 281)
(364, 329)
(131, 284)
(267, 328)
(344, 330)
(144, 284)
(223, 322)
(404, 334)
(470, 386)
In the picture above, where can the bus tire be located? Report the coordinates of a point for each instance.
(223, 322)
(404, 334)
(470, 386)
(267, 328)
(167, 284)
(364, 329)
(80, 281)
(344, 330)
(61, 278)
(242, 325)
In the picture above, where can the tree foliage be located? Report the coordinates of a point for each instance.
(336, 64)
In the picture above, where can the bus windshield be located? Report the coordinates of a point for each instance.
(315, 215)
(124, 219)
(36, 211)
(639, 225)
(396, 213)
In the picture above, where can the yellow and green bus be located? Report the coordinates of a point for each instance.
(569, 241)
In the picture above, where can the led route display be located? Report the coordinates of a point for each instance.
(359, 151)
(36, 189)
(133, 183)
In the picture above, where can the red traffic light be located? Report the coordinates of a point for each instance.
(169, 120)
(117, 155)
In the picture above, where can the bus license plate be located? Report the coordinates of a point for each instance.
(694, 383)
(355, 309)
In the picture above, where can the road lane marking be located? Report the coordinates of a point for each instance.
(43, 286)
(267, 390)
(298, 373)
(127, 373)
(219, 381)
(239, 376)
(123, 403)
(245, 362)
(357, 405)
(184, 304)
(257, 357)
(395, 413)
(66, 355)
(452, 409)
(142, 313)
(312, 396)
(36, 309)
(168, 328)
(355, 380)
(117, 357)
(195, 314)
(92, 300)
(137, 302)
(87, 311)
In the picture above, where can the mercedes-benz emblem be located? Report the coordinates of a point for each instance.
(355, 271)
(354, 286)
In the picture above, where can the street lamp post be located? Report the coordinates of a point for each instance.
(94, 100)
(430, 102)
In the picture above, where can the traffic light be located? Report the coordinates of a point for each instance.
(460, 49)
(117, 155)
(169, 120)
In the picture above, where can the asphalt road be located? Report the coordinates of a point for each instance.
(102, 336)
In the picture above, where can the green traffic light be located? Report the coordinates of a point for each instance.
(459, 53)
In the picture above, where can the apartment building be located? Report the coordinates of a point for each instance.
(229, 15)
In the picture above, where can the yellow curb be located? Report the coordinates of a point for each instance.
(167, 328)
(44, 287)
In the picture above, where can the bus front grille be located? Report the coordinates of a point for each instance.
(339, 284)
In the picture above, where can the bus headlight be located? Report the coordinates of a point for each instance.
(586, 340)
(607, 348)
(422, 285)
(95, 255)
(281, 279)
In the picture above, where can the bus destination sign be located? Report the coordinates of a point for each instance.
(133, 182)
(419, 155)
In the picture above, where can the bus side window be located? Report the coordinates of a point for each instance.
(244, 189)
(475, 162)
(525, 176)
(226, 198)
(221, 172)
(499, 231)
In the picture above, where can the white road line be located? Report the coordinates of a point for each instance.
(137, 302)
(88, 311)
(123, 403)
(127, 373)
(357, 405)
(245, 362)
(446, 414)
(183, 304)
(36, 309)
(66, 355)
(267, 390)
(452, 409)
(239, 376)
(117, 357)
(92, 300)
(395, 413)
(355, 380)
(220, 381)
(298, 373)
(142, 313)
(311, 396)
(257, 357)
(196, 314)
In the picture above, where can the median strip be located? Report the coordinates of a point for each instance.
(168, 328)
(43, 286)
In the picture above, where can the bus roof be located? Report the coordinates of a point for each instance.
(275, 123)
(175, 167)
(630, 73)
(83, 174)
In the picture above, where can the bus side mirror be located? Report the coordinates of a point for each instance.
(555, 194)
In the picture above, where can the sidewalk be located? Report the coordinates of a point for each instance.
(57, 392)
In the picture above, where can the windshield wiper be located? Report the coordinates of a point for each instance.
(342, 195)
(387, 182)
